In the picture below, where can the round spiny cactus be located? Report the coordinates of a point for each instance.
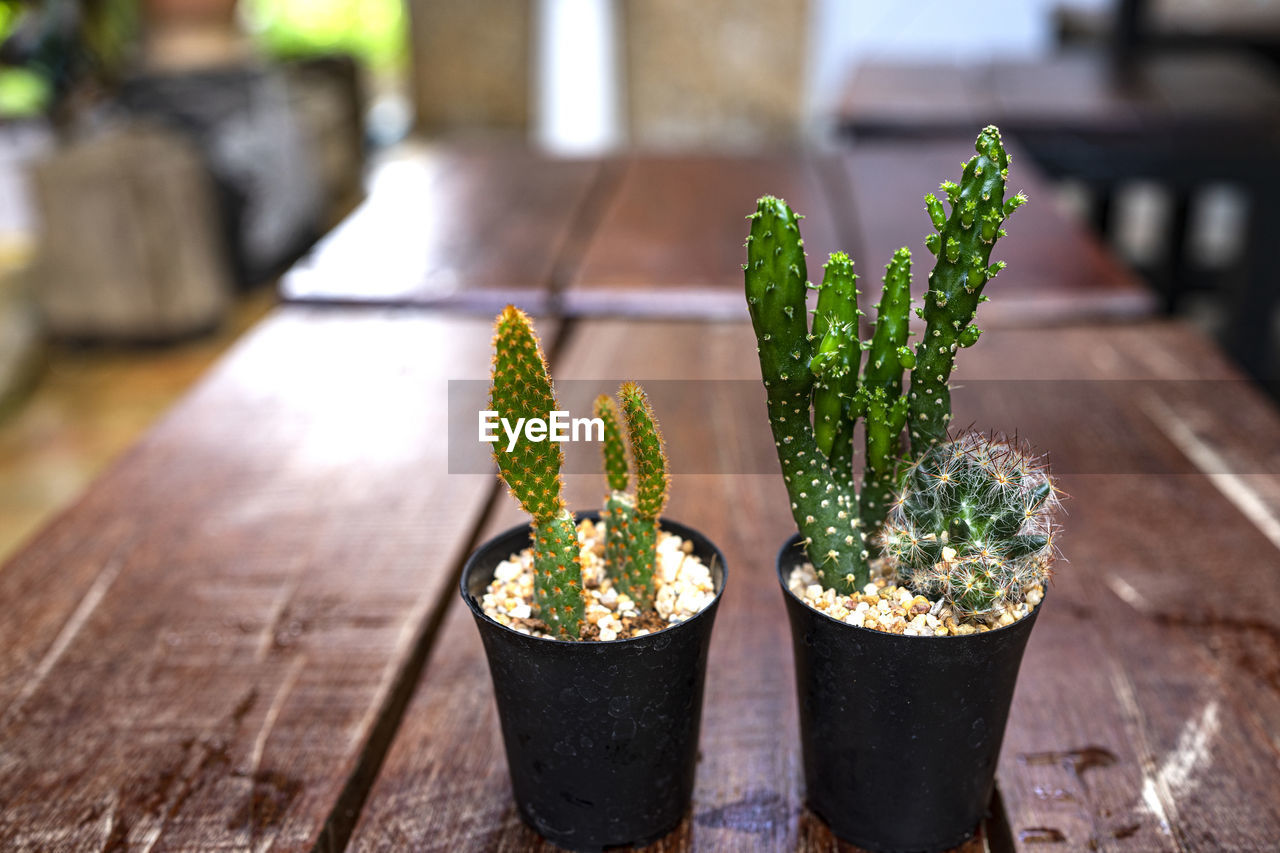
(973, 523)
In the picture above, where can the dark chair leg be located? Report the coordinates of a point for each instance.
(1177, 266)
(1253, 307)
(1101, 206)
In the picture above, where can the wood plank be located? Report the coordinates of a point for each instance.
(920, 99)
(1146, 715)
(1079, 90)
(473, 229)
(1207, 93)
(1076, 93)
(1058, 272)
(205, 652)
(1223, 92)
(669, 244)
(1184, 734)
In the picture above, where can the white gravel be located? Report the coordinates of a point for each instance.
(884, 606)
(683, 588)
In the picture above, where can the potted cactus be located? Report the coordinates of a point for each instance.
(596, 629)
(911, 598)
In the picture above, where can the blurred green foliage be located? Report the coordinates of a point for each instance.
(48, 48)
(374, 31)
(23, 93)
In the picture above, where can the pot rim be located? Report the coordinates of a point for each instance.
(674, 527)
(795, 541)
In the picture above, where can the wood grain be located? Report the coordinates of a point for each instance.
(204, 652)
(1119, 696)
(1149, 701)
(1058, 273)
(670, 241)
(209, 650)
(923, 99)
(1074, 92)
(1223, 93)
(472, 229)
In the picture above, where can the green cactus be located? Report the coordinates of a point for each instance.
(973, 523)
(818, 369)
(619, 506)
(652, 481)
(521, 388)
(615, 451)
(835, 364)
(885, 407)
(820, 503)
(963, 244)
(631, 520)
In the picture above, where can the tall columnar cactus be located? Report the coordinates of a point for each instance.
(973, 523)
(962, 244)
(835, 363)
(817, 369)
(881, 392)
(821, 502)
(521, 388)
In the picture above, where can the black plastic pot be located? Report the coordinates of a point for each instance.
(900, 734)
(601, 737)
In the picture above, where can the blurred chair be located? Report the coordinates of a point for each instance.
(724, 73)
(471, 64)
(129, 249)
(240, 119)
(1113, 115)
(1179, 25)
(21, 337)
(326, 97)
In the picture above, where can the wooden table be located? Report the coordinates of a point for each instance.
(247, 634)
(669, 240)
(661, 236)
(1207, 95)
(465, 228)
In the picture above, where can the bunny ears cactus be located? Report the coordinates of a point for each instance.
(521, 389)
(817, 385)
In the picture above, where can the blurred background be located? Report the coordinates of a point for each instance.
(164, 162)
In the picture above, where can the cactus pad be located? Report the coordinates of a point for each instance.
(631, 545)
(521, 388)
(558, 576)
(647, 449)
(615, 451)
